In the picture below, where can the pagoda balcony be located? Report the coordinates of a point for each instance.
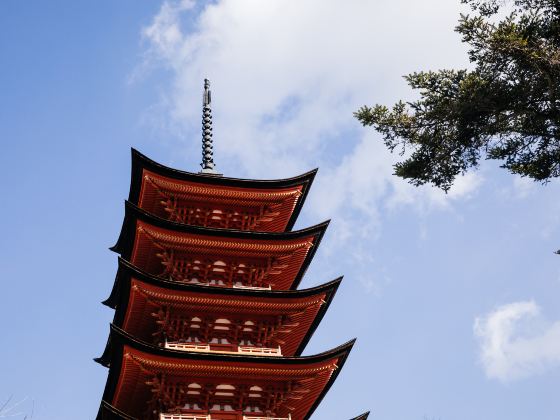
(225, 348)
(260, 351)
(219, 283)
(171, 416)
(241, 286)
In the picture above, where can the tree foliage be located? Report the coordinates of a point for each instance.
(506, 108)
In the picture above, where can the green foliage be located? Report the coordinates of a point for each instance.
(507, 108)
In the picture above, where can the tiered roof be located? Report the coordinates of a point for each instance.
(110, 412)
(208, 321)
(217, 257)
(153, 309)
(140, 372)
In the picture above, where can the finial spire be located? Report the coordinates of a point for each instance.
(207, 164)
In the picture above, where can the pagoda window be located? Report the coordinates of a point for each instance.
(193, 389)
(255, 392)
(248, 326)
(225, 390)
(222, 324)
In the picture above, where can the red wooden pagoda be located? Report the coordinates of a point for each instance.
(209, 324)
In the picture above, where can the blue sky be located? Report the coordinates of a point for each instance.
(454, 299)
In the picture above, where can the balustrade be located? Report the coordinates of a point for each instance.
(166, 416)
(260, 350)
(240, 286)
(187, 346)
(220, 348)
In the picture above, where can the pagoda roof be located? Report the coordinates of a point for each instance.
(108, 412)
(133, 363)
(138, 223)
(361, 416)
(291, 192)
(136, 293)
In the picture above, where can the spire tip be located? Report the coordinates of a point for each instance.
(208, 166)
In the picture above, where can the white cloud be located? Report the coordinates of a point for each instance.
(287, 76)
(427, 197)
(523, 187)
(165, 31)
(516, 341)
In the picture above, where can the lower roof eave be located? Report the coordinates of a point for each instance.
(363, 416)
(108, 412)
(127, 270)
(114, 353)
(118, 338)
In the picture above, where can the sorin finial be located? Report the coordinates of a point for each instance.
(207, 164)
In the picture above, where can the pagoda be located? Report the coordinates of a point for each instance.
(209, 322)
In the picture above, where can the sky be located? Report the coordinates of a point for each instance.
(453, 298)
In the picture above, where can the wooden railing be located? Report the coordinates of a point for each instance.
(187, 346)
(163, 416)
(240, 286)
(260, 350)
(221, 348)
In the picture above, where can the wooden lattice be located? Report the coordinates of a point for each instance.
(200, 214)
(234, 397)
(203, 206)
(222, 332)
(225, 272)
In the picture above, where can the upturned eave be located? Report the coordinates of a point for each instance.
(141, 163)
(122, 292)
(122, 344)
(134, 215)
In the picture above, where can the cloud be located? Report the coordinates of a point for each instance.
(165, 31)
(523, 187)
(287, 76)
(516, 341)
